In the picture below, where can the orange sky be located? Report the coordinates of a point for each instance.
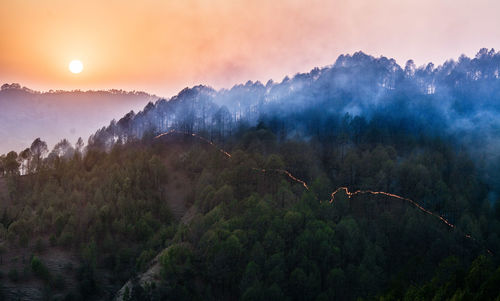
(161, 46)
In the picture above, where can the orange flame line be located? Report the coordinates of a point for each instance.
(196, 136)
(287, 173)
(347, 192)
(351, 194)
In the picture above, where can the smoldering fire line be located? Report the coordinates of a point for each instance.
(196, 136)
(334, 193)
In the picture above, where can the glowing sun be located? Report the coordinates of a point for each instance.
(75, 66)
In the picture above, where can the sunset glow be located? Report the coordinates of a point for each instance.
(249, 150)
(75, 66)
(163, 46)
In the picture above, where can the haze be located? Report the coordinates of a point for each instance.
(163, 46)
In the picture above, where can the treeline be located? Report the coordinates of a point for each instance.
(34, 158)
(457, 100)
(359, 84)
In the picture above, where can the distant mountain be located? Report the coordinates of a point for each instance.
(26, 114)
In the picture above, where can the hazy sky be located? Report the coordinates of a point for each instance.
(161, 46)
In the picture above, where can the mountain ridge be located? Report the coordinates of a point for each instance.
(26, 114)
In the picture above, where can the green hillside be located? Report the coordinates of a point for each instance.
(177, 218)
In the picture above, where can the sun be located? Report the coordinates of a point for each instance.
(75, 66)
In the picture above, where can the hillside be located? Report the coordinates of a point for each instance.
(59, 260)
(308, 189)
(199, 220)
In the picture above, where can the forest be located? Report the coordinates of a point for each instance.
(251, 193)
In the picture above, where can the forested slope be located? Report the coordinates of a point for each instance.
(362, 180)
(251, 234)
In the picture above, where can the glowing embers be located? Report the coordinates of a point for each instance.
(345, 189)
(196, 136)
(351, 194)
(287, 173)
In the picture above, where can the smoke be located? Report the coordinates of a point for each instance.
(458, 101)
